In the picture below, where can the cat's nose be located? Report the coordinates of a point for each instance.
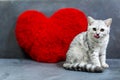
(97, 34)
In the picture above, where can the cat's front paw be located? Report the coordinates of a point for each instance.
(105, 65)
(98, 65)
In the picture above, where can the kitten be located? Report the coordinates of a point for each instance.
(87, 51)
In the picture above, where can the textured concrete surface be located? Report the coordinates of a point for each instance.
(16, 69)
(100, 9)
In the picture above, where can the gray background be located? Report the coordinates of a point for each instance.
(99, 9)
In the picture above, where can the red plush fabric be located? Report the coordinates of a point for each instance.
(47, 39)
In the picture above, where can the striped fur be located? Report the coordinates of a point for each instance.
(87, 51)
(83, 67)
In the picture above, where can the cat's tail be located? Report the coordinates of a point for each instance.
(83, 67)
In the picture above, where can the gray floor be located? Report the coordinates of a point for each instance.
(16, 69)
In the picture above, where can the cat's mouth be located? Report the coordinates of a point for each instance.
(97, 36)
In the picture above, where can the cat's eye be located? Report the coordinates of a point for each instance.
(94, 29)
(101, 30)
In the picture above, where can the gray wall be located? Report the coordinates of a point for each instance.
(99, 9)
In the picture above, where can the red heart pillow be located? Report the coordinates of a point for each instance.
(47, 39)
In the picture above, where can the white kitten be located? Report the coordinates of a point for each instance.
(87, 51)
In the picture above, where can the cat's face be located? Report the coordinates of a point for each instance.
(99, 28)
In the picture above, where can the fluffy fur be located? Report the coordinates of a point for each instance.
(47, 39)
(87, 51)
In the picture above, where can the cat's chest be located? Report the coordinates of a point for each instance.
(96, 45)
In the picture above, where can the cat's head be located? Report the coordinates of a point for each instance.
(99, 28)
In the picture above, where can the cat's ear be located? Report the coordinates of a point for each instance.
(90, 20)
(108, 22)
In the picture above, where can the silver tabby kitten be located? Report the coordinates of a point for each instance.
(87, 51)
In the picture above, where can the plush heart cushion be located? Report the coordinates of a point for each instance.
(47, 39)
